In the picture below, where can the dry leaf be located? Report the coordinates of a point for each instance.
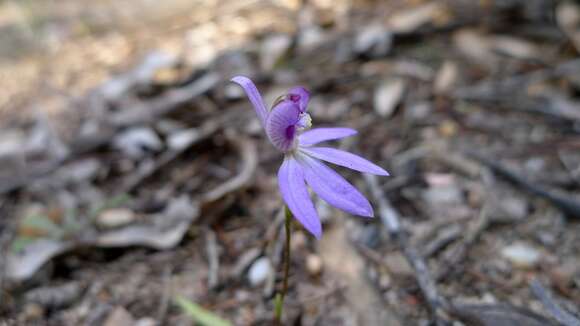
(475, 46)
(446, 77)
(388, 95)
(568, 17)
(164, 232)
(411, 19)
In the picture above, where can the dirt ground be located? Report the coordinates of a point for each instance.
(133, 173)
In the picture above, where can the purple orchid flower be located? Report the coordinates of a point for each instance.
(286, 127)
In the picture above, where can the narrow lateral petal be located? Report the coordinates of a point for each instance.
(281, 125)
(317, 135)
(254, 96)
(346, 159)
(301, 96)
(333, 188)
(296, 196)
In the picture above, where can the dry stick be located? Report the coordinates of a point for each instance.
(556, 311)
(165, 295)
(144, 112)
(134, 180)
(506, 92)
(489, 90)
(453, 257)
(213, 259)
(566, 204)
(442, 240)
(390, 218)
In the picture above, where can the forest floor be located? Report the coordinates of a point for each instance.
(133, 173)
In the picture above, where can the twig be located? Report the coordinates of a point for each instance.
(144, 113)
(507, 92)
(442, 240)
(213, 259)
(151, 110)
(165, 296)
(566, 204)
(134, 180)
(497, 90)
(390, 218)
(573, 171)
(7, 233)
(247, 150)
(454, 256)
(550, 304)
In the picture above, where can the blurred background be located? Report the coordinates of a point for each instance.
(137, 188)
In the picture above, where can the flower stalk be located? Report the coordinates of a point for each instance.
(279, 300)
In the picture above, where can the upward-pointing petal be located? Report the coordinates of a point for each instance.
(333, 188)
(318, 135)
(254, 96)
(346, 159)
(295, 194)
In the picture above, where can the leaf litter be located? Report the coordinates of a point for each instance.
(471, 106)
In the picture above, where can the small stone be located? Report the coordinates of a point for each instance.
(115, 218)
(260, 271)
(314, 264)
(521, 255)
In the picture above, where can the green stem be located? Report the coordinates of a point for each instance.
(279, 301)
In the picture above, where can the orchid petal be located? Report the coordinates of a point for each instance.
(293, 189)
(301, 96)
(318, 135)
(254, 96)
(333, 188)
(346, 159)
(281, 124)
